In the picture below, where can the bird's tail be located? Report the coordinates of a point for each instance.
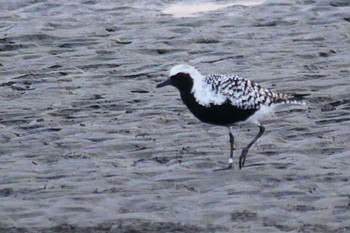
(283, 98)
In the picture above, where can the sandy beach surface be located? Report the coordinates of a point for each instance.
(88, 144)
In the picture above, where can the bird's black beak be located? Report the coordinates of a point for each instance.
(165, 83)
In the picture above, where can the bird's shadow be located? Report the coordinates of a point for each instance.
(275, 165)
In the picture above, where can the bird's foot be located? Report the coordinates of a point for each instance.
(229, 167)
(242, 158)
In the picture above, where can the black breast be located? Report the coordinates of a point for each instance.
(224, 114)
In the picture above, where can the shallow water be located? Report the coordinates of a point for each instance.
(89, 144)
(183, 9)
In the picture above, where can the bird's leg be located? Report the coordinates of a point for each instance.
(230, 161)
(246, 149)
(232, 147)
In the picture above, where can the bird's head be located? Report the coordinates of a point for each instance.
(182, 77)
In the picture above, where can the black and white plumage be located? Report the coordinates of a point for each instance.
(225, 100)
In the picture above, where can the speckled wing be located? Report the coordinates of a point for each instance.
(243, 93)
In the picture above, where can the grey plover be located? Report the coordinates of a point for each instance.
(225, 100)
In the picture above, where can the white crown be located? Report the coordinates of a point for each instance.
(183, 68)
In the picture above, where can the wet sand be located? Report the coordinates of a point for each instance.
(89, 145)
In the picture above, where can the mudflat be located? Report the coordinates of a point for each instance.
(88, 144)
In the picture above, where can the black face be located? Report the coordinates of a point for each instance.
(181, 81)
